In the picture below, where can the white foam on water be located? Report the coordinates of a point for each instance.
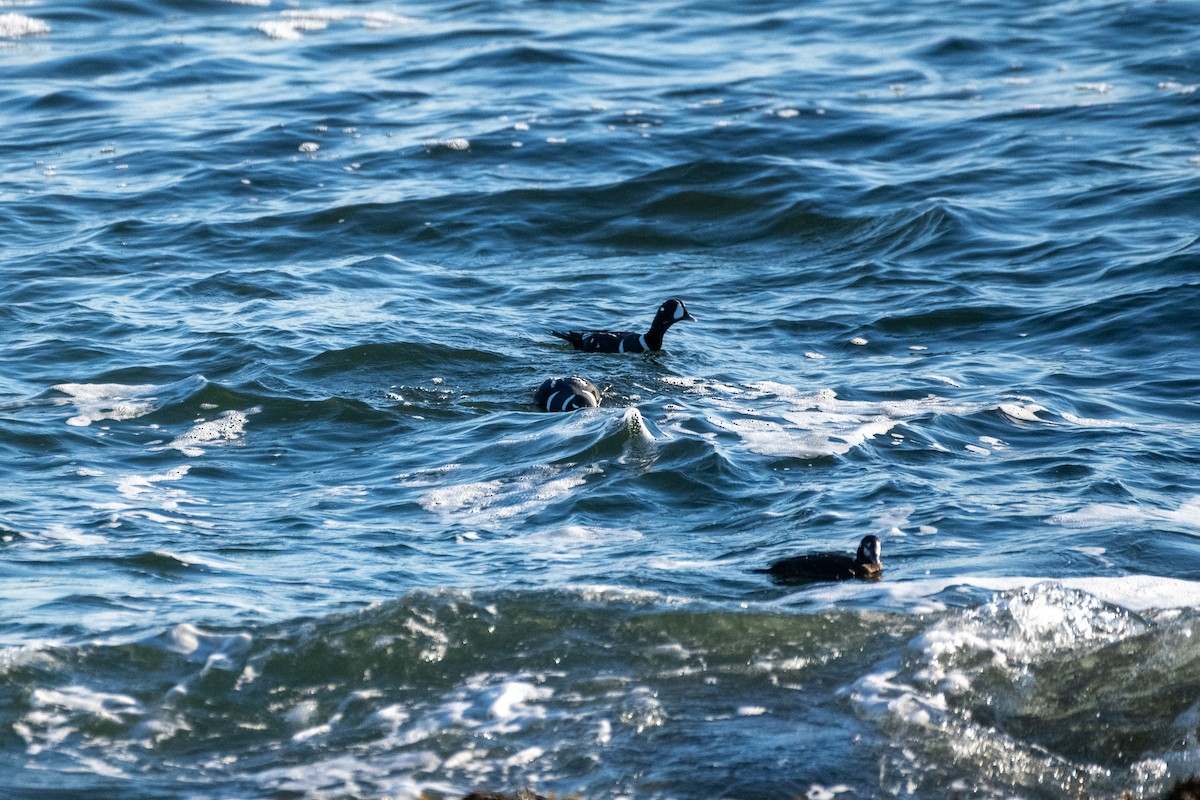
(192, 560)
(775, 419)
(489, 501)
(59, 534)
(134, 486)
(58, 714)
(217, 651)
(354, 776)
(524, 758)
(229, 427)
(511, 705)
(148, 497)
(294, 23)
(569, 537)
(819, 792)
(633, 421)
(896, 518)
(1104, 515)
(280, 30)
(14, 26)
(1089, 422)
(1133, 592)
(1025, 412)
(993, 654)
(108, 401)
(603, 593)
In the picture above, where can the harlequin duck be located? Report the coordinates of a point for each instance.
(590, 341)
(813, 567)
(566, 394)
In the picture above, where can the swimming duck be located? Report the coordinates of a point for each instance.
(813, 567)
(590, 341)
(566, 394)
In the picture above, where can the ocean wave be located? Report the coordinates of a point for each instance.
(97, 402)
(440, 691)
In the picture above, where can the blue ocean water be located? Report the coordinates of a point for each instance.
(279, 519)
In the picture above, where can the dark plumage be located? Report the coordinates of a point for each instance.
(813, 567)
(590, 341)
(566, 394)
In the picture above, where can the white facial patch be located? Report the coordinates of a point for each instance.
(679, 312)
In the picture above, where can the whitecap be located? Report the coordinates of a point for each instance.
(95, 402)
(55, 715)
(192, 560)
(1000, 655)
(132, 486)
(216, 651)
(1132, 592)
(229, 427)
(276, 29)
(14, 26)
(1025, 412)
(488, 501)
(59, 533)
(1102, 515)
(775, 419)
(751, 711)
(294, 23)
(576, 534)
(345, 775)
(1089, 422)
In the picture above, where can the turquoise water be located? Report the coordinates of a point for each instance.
(279, 519)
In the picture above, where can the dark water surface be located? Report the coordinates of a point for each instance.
(279, 520)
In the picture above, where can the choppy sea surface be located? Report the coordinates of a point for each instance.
(278, 518)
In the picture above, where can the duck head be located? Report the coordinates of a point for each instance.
(671, 312)
(867, 560)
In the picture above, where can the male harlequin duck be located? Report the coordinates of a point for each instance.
(831, 566)
(590, 341)
(566, 394)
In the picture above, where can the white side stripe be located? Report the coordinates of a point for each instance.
(550, 401)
